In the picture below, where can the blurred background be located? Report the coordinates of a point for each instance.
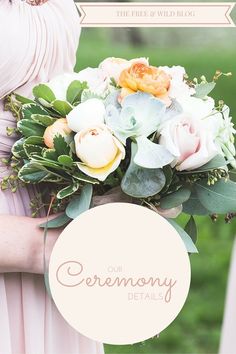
(201, 51)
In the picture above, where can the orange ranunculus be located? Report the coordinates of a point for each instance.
(142, 77)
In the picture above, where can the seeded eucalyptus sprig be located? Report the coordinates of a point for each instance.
(13, 105)
(11, 181)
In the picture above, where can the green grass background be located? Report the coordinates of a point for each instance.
(197, 328)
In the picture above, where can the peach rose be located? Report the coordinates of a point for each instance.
(60, 127)
(146, 78)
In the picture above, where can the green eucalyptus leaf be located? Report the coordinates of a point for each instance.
(140, 182)
(219, 198)
(191, 229)
(18, 149)
(62, 107)
(151, 155)
(203, 89)
(69, 190)
(43, 120)
(80, 204)
(57, 222)
(175, 199)
(29, 128)
(190, 246)
(65, 160)
(75, 90)
(168, 172)
(44, 92)
(193, 205)
(32, 108)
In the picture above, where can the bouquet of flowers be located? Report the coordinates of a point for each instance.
(126, 128)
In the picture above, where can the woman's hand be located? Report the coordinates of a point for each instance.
(22, 244)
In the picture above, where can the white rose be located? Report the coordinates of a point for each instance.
(95, 79)
(178, 86)
(99, 151)
(189, 141)
(112, 67)
(222, 128)
(86, 114)
(196, 107)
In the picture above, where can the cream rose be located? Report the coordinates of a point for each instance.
(60, 127)
(99, 151)
(112, 67)
(189, 141)
(86, 114)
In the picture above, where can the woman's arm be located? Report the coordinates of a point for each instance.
(22, 244)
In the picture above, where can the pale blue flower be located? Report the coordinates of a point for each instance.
(140, 116)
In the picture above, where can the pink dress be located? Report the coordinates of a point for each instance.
(37, 43)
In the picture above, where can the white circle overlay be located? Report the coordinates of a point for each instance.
(119, 273)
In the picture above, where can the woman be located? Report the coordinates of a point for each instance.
(38, 40)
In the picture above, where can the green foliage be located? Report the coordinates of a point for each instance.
(193, 205)
(190, 246)
(75, 91)
(81, 203)
(191, 229)
(44, 92)
(18, 149)
(32, 108)
(140, 182)
(57, 222)
(65, 160)
(218, 198)
(60, 145)
(33, 172)
(204, 89)
(28, 128)
(61, 107)
(43, 120)
(175, 199)
(69, 190)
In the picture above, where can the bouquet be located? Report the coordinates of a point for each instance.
(128, 131)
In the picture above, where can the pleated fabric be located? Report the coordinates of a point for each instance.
(36, 44)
